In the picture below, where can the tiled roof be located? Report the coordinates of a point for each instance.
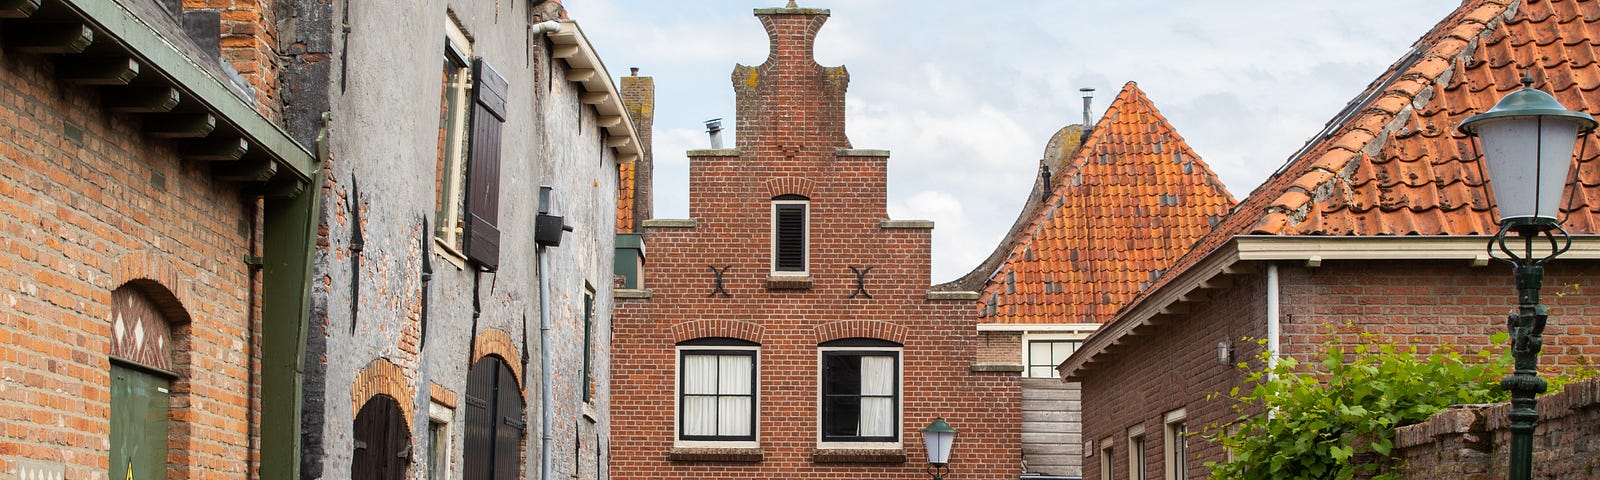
(1130, 201)
(1393, 164)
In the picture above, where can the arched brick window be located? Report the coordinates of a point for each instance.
(142, 365)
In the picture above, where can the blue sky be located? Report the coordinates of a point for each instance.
(966, 94)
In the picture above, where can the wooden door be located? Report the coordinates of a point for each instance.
(138, 424)
(494, 430)
(382, 441)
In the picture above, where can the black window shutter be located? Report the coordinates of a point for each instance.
(483, 166)
(790, 237)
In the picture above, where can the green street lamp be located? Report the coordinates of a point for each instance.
(939, 437)
(1527, 141)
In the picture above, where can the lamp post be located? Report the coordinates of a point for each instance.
(938, 437)
(1527, 141)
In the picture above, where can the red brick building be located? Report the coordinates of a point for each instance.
(789, 329)
(1379, 224)
(155, 234)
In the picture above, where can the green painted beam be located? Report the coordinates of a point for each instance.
(290, 243)
(142, 99)
(48, 38)
(18, 8)
(153, 51)
(97, 70)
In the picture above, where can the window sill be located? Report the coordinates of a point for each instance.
(858, 455)
(589, 412)
(789, 282)
(715, 454)
(449, 254)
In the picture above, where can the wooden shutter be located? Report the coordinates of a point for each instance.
(483, 166)
(508, 430)
(789, 237)
(478, 445)
(492, 449)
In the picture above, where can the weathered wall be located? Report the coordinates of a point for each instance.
(87, 204)
(1474, 442)
(387, 150)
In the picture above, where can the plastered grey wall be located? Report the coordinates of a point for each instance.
(382, 87)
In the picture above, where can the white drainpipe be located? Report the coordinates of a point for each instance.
(1274, 325)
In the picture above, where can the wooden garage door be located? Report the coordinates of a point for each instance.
(493, 445)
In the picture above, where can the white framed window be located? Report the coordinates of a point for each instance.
(1107, 472)
(1136, 452)
(791, 235)
(860, 391)
(717, 390)
(1044, 353)
(1176, 447)
(451, 168)
(439, 441)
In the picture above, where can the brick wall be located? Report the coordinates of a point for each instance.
(1422, 303)
(1000, 348)
(1474, 442)
(790, 132)
(87, 204)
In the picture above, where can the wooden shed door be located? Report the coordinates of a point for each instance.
(138, 424)
(493, 444)
(382, 441)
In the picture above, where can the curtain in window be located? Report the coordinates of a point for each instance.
(877, 397)
(734, 407)
(700, 395)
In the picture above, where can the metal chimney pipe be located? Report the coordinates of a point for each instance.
(714, 128)
(1088, 98)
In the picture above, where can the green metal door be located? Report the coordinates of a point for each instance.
(138, 424)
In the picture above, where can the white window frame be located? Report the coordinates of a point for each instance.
(1137, 448)
(458, 48)
(1027, 349)
(441, 415)
(755, 398)
(1176, 461)
(772, 234)
(899, 400)
(1108, 469)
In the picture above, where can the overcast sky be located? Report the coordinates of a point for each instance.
(965, 94)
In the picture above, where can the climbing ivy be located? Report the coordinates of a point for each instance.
(1309, 421)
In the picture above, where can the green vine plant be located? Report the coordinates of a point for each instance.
(1336, 418)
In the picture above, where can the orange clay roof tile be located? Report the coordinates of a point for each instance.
(1127, 203)
(1424, 177)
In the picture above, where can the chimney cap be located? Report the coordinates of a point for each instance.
(1088, 92)
(633, 71)
(714, 124)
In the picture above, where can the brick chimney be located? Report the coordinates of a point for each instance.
(789, 99)
(634, 192)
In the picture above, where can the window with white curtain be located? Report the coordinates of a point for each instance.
(717, 390)
(860, 391)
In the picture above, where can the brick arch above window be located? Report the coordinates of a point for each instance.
(790, 186)
(497, 342)
(381, 376)
(691, 330)
(831, 331)
(157, 278)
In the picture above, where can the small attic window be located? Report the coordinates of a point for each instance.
(790, 222)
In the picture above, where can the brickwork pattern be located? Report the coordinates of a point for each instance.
(1473, 442)
(250, 45)
(497, 342)
(1000, 348)
(790, 129)
(382, 377)
(88, 204)
(724, 328)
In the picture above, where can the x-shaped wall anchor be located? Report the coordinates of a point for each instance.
(861, 282)
(718, 288)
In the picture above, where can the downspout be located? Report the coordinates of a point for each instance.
(1274, 325)
(546, 402)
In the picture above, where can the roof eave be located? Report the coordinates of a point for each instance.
(585, 68)
(1233, 256)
